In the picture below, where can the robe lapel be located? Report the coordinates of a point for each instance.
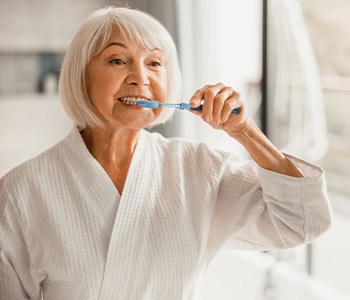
(100, 186)
(129, 224)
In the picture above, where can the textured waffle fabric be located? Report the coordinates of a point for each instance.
(66, 233)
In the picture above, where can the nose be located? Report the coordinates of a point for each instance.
(138, 75)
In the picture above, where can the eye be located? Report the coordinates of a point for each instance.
(155, 64)
(117, 61)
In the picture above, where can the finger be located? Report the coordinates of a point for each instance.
(209, 96)
(230, 104)
(197, 97)
(219, 102)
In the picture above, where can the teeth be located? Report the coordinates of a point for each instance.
(130, 100)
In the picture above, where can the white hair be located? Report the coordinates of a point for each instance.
(93, 35)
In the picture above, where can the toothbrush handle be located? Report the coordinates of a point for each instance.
(172, 105)
(235, 111)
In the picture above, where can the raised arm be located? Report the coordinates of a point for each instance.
(219, 100)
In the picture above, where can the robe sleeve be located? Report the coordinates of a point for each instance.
(16, 281)
(257, 209)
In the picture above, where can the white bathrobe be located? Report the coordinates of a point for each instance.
(66, 233)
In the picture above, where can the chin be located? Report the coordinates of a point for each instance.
(135, 123)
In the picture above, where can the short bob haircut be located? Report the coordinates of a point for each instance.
(90, 39)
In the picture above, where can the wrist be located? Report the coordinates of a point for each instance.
(241, 132)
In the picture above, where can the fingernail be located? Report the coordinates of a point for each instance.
(207, 118)
(195, 101)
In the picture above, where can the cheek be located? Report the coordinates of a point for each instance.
(92, 85)
(99, 88)
(162, 87)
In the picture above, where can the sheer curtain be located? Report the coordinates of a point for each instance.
(297, 118)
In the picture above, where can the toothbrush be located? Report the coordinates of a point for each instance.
(182, 105)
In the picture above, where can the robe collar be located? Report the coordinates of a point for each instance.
(132, 219)
(83, 157)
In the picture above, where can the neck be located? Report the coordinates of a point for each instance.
(110, 145)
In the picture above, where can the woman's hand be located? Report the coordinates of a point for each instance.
(219, 101)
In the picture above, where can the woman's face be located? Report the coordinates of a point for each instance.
(124, 71)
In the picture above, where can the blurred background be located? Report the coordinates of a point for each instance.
(289, 61)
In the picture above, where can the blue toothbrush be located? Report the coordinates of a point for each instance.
(182, 105)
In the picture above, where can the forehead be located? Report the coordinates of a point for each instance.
(129, 38)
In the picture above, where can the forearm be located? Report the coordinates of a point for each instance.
(263, 151)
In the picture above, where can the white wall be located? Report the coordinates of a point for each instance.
(37, 25)
(29, 125)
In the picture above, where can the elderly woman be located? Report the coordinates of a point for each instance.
(116, 212)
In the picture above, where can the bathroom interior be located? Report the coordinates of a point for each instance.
(289, 61)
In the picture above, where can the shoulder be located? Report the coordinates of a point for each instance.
(29, 172)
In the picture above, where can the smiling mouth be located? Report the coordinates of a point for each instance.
(131, 100)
